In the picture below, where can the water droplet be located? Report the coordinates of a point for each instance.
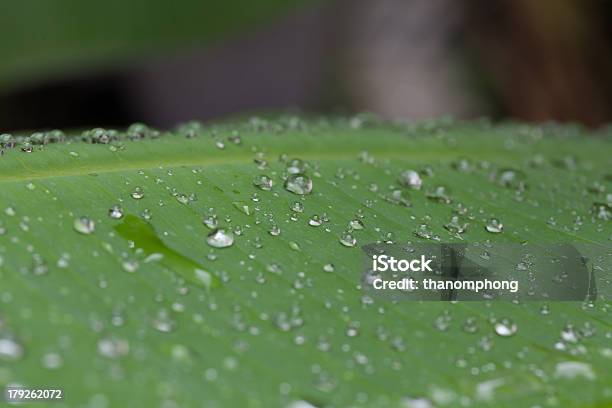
(294, 245)
(84, 225)
(298, 184)
(112, 347)
(146, 214)
(296, 166)
(274, 230)
(602, 211)
(297, 207)
(242, 207)
(315, 221)
(163, 322)
(115, 212)
(301, 404)
(439, 194)
(455, 226)
(494, 226)
(411, 402)
(347, 239)
(220, 238)
(569, 334)
(329, 267)
(130, 266)
(356, 224)
(182, 198)
(511, 178)
(352, 330)
(52, 361)
(423, 231)
(470, 325)
(574, 369)
(411, 178)
(263, 182)
(211, 221)
(505, 327)
(137, 193)
(10, 349)
(10, 211)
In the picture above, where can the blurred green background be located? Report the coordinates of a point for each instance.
(68, 63)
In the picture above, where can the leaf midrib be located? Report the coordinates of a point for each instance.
(125, 163)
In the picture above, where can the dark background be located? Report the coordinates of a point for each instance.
(514, 59)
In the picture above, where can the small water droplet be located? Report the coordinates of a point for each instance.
(494, 226)
(411, 402)
(112, 347)
(130, 266)
(455, 225)
(356, 224)
(182, 198)
(411, 179)
(263, 182)
(10, 349)
(505, 328)
(163, 322)
(243, 207)
(115, 212)
(84, 225)
(439, 194)
(329, 267)
(137, 193)
(211, 221)
(574, 369)
(52, 361)
(297, 207)
(347, 239)
(315, 221)
(146, 214)
(274, 230)
(296, 166)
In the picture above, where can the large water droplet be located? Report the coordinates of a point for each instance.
(298, 184)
